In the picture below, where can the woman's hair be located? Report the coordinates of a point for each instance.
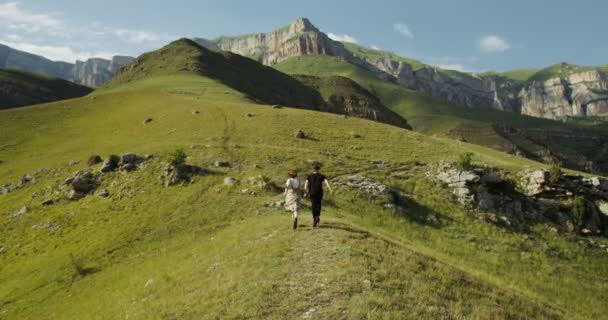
(292, 173)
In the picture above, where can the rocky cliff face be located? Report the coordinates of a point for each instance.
(93, 72)
(297, 39)
(580, 94)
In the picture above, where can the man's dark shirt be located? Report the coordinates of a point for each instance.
(315, 184)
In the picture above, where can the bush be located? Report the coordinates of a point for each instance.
(114, 159)
(177, 157)
(578, 210)
(465, 161)
(555, 174)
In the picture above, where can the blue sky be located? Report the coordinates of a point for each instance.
(470, 35)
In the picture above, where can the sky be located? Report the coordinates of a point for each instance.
(466, 35)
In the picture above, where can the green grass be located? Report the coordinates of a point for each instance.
(520, 74)
(208, 251)
(19, 88)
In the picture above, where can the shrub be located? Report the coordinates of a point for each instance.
(177, 157)
(555, 173)
(465, 161)
(114, 159)
(578, 210)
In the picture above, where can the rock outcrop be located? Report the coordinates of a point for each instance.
(535, 200)
(580, 94)
(298, 39)
(93, 72)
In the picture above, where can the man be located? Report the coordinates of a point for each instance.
(314, 188)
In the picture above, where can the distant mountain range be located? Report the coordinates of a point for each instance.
(556, 92)
(92, 73)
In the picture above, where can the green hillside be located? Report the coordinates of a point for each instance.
(19, 88)
(208, 250)
(572, 145)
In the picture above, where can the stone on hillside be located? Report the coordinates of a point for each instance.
(299, 134)
(84, 182)
(48, 202)
(128, 158)
(230, 181)
(148, 156)
(68, 181)
(94, 159)
(147, 120)
(110, 164)
(250, 115)
(355, 135)
(380, 163)
(222, 164)
(128, 167)
(104, 193)
(535, 182)
(276, 106)
(22, 211)
(195, 112)
(73, 163)
(74, 195)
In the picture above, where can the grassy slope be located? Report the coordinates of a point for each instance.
(206, 251)
(431, 116)
(19, 88)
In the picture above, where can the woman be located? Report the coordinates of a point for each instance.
(293, 196)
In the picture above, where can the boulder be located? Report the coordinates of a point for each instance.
(84, 183)
(230, 181)
(22, 211)
(128, 167)
(128, 158)
(104, 193)
(74, 195)
(48, 202)
(222, 164)
(110, 164)
(147, 120)
(299, 134)
(535, 182)
(94, 159)
(73, 163)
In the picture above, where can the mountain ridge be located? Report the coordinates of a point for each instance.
(548, 99)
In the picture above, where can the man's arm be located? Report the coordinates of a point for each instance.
(329, 187)
(306, 186)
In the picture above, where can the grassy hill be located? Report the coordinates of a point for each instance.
(19, 88)
(571, 144)
(206, 250)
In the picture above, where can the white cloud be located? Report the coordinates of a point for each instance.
(493, 43)
(17, 19)
(137, 36)
(452, 66)
(403, 29)
(57, 53)
(342, 37)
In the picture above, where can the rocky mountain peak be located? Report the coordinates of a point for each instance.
(301, 25)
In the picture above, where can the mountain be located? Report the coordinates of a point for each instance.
(571, 91)
(183, 217)
(258, 82)
(20, 88)
(93, 72)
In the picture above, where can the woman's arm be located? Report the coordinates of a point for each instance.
(329, 187)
